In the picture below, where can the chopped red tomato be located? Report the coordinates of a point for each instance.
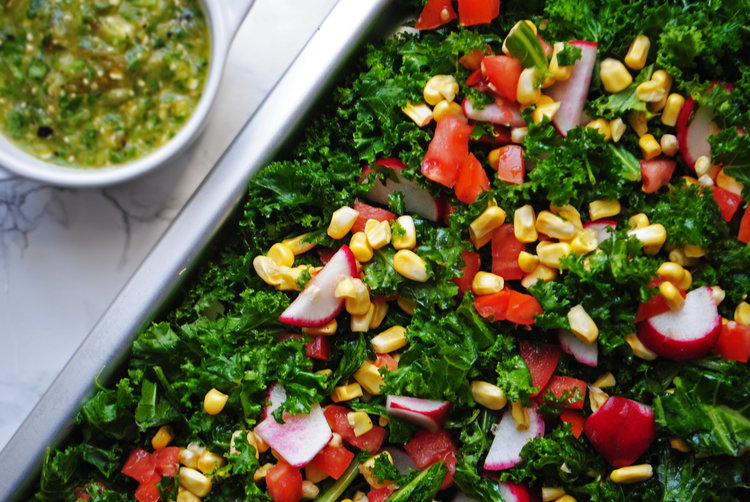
(471, 180)
(435, 13)
(447, 150)
(575, 419)
(81, 491)
(479, 81)
(505, 251)
(734, 342)
(333, 460)
(319, 347)
(522, 308)
(472, 60)
(568, 386)
(728, 202)
(472, 262)
(147, 491)
(656, 173)
(744, 234)
(379, 494)
(541, 363)
(510, 167)
(471, 12)
(426, 448)
(368, 212)
(167, 460)
(503, 73)
(493, 306)
(386, 360)
(337, 420)
(284, 482)
(655, 306)
(140, 465)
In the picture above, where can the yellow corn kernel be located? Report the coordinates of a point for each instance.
(550, 493)
(718, 294)
(328, 328)
(309, 490)
(439, 88)
(517, 135)
(289, 277)
(604, 208)
(679, 256)
(527, 90)
(585, 241)
(635, 59)
(360, 323)
(346, 392)
(420, 113)
(686, 281)
(378, 233)
(582, 325)
(548, 110)
(195, 482)
(369, 378)
(345, 288)
(406, 304)
(520, 415)
(742, 313)
(606, 380)
(669, 145)
(651, 235)
(486, 283)
(650, 91)
(552, 225)
(566, 498)
(528, 22)
(406, 239)
(164, 435)
(523, 224)
(480, 230)
(210, 461)
(702, 165)
(639, 350)
(393, 338)
(672, 296)
(281, 254)
(650, 148)
(408, 264)
(617, 128)
(298, 244)
(359, 496)
(665, 81)
(559, 73)
(360, 247)
(488, 395)
(679, 444)
(550, 253)
(602, 127)
(381, 309)
(268, 270)
(366, 468)
(672, 109)
(632, 473)
(186, 496)
(355, 293)
(569, 213)
(445, 109)
(360, 422)
(188, 458)
(614, 76)
(671, 271)
(542, 272)
(342, 220)
(639, 220)
(214, 402)
(729, 183)
(260, 472)
(638, 122)
(597, 398)
(527, 261)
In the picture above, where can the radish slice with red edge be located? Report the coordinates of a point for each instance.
(571, 94)
(584, 353)
(692, 134)
(603, 229)
(317, 303)
(687, 333)
(501, 112)
(428, 413)
(416, 199)
(276, 397)
(505, 451)
(513, 492)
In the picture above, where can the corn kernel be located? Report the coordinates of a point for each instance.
(742, 313)
(603, 208)
(582, 325)
(408, 238)
(550, 253)
(672, 109)
(366, 468)
(328, 328)
(638, 122)
(665, 81)
(552, 225)
(406, 304)
(639, 350)
(309, 490)
(281, 254)
(408, 264)
(188, 458)
(679, 444)
(378, 233)
(639, 220)
(679, 256)
(480, 230)
(289, 277)
(298, 244)
(632, 473)
(651, 235)
(617, 128)
(359, 496)
(614, 76)
(650, 148)
(546, 110)
(605, 380)
(369, 378)
(268, 270)
(360, 247)
(635, 59)
(164, 435)
(360, 323)
(585, 241)
(261, 472)
(523, 224)
(569, 213)
(360, 421)
(447, 108)
(381, 309)
(517, 135)
(669, 145)
(559, 73)
(527, 262)
(520, 415)
(602, 127)
(210, 461)
(597, 398)
(488, 395)
(355, 293)
(566, 498)
(693, 251)
(393, 338)
(486, 283)
(542, 272)
(214, 402)
(346, 392)
(672, 296)
(671, 271)
(650, 91)
(420, 113)
(729, 183)
(186, 496)
(439, 88)
(702, 165)
(342, 220)
(194, 481)
(550, 493)
(686, 281)
(718, 294)
(527, 90)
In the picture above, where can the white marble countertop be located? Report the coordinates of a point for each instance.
(65, 254)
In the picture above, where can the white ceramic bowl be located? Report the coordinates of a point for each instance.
(223, 18)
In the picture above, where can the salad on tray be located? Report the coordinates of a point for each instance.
(508, 261)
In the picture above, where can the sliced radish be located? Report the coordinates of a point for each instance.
(299, 438)
(501, 112)
(505, 451)
(317, 304)
(512, 492)
(571, 94)
(603, 229)
(401, 460)
(276, 397)
(428, 413)
(692, 135)
(584, 353)
(416, 198)
(686, 333)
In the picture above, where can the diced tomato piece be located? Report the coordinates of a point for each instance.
(447, 150)
(379, 494)
(370, 441)
(333, 460)
(471, 12)
(728, 202)
(471, 180)
(505, 251)
(140, 465)
(472, 262)
(435, 13)
(510, 167)
(426, 448)
(368, 212)
(734, 342)
(656, 173)
(386, 360)
(284, 482)
(522, 308)
(147, 491)
(81, 494)
(744, 234)
(479, 81)
(560, 385)
(503, 73)
(655, 306)
(319, 347)
(326, 254)
(541, 363)
(472, 60)
(493, 306)
(167, 460)
(575, 419)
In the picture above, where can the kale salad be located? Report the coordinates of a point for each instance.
(508, 260)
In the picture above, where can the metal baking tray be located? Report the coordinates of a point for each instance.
(310, 75)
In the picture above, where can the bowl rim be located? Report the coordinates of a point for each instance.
(18, 162)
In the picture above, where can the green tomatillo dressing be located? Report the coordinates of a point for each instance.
(94, 83)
